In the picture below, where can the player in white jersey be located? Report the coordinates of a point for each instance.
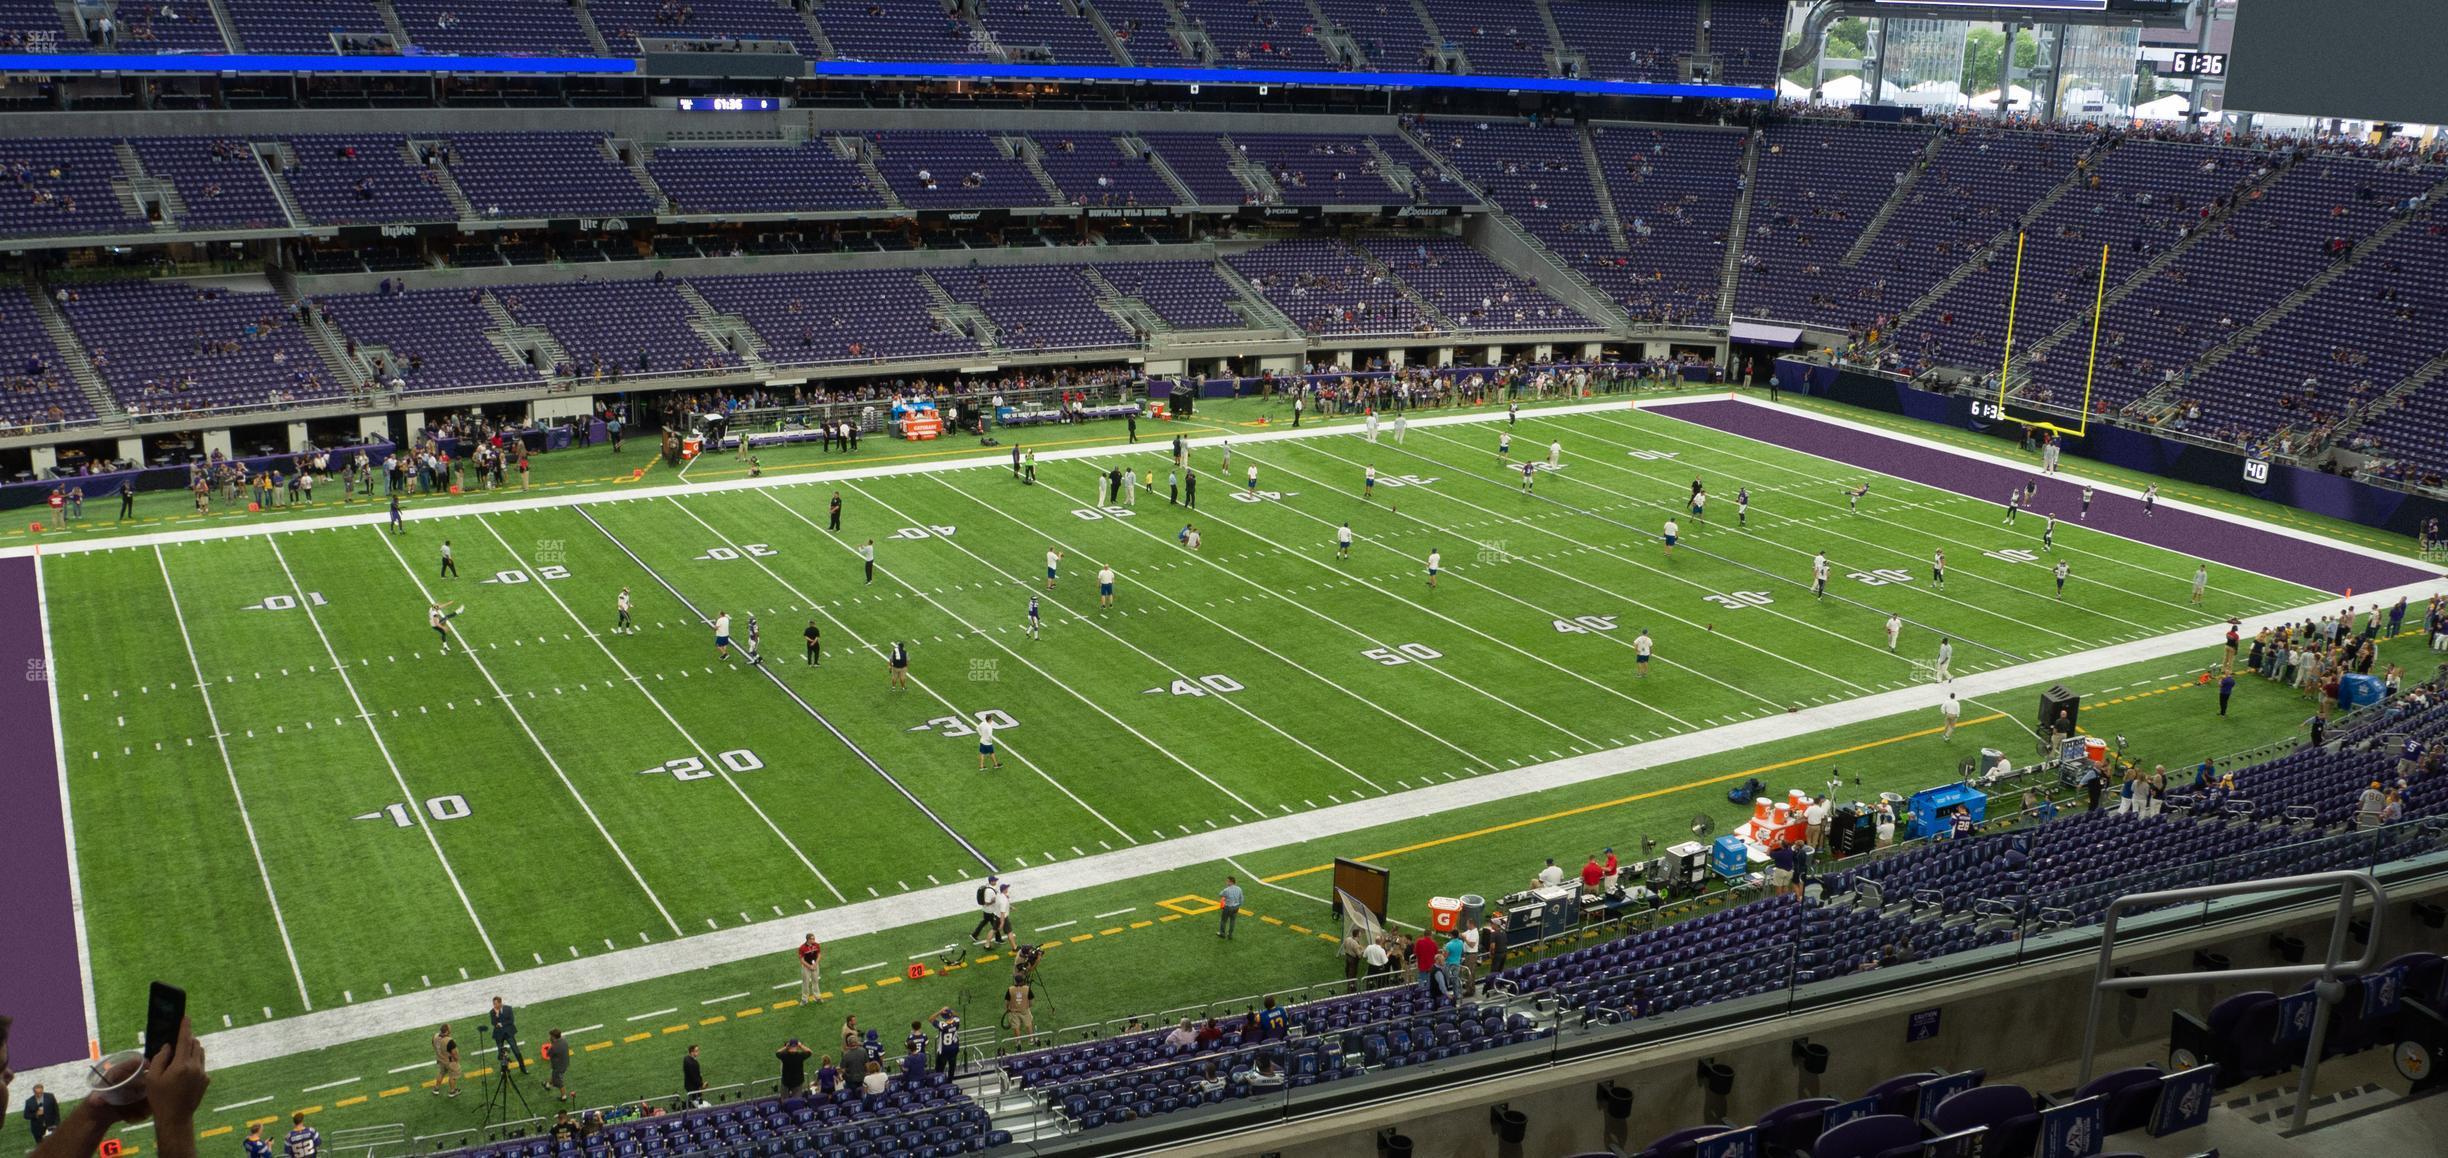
(754, 653)
(1641, 646)
(1253, 478)
(624, 627)
(722, 635)
(1368, 482)
(438, 617)
(1402, 422)
(2048, 533)
(2062, 568)
(1227, 444)
(1938, 569)
(2086, 511)
(1436, 561)
(1555, 454)
(1504, 446)
(1853, 497)
(1946, 660)
(1105, 576)
(1699, 506)
(1033, 621)
(2201, 581)
(2150, 499)
(1819, 574)
(1053, 567)
(1343, 541)
(1673, 532)
(1895, 629)
(2014, 504)
(1512, 413)
(1372, 426)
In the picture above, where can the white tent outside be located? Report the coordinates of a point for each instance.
(2166, 108)
(2017, 97)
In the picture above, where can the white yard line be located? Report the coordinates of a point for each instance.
(1942, 509)
(562, 979)
(704, 754)
(1918, 590)
(331, 1085)
(1169, 671)
(1007, 649)
(1158, 591)
(246, 821)
(550, 760)
(2102, 486)
(397, 777)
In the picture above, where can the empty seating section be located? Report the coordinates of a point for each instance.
(768, 178)
(430, 340)
(1145, 28)
(2138, 196)
(1328, 290)
(301, 26)
(896, 30)
(1497, 37)
(1045, 32)
(338, 179)
(1748, 39)
(849, 316)
(171, 346)
(622, 22)
(1537, 175)
(2383, 316)
(921, 1115)
(1637, 42)
(1188, 295)
(1817, 186)
(520, 175)
(2272, 244)
(944, 170)
(1036, 307)
(164, 26)
(1259, 33)
(31, 26)
(1092, 169)
(624, 328)
(1473, 292)
(63, 186)
(525, 27)
(1320, 168)
(220, 184)
(1202, 163)
(1388, 32)
(1674, 191)
(1429, 182)
(35, 386)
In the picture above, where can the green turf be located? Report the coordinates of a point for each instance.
(626, 790)
(1133, 957)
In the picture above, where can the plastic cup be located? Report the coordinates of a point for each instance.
(118, 1077)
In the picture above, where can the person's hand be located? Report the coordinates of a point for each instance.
(175, 1079)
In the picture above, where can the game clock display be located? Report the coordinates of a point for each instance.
(2208, 65)
(729, 104)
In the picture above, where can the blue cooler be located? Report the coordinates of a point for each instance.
(2360, 691)
(1730, 856)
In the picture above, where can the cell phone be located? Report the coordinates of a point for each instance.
(164, 1011)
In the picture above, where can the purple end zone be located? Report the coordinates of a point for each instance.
(45, 990)
(2235, 545)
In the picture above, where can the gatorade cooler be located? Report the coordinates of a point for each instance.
(690, 446)
(2095, 750)
(1444, 914)
(1759, 812)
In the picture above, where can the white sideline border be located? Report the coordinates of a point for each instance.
(364, 1020)
(2070, 476)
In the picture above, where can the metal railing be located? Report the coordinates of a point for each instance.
(2324, 975)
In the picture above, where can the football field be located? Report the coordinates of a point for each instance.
(343, 810)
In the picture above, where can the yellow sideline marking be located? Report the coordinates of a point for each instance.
(356, 1101)
(393, 1092)
(215, 1132)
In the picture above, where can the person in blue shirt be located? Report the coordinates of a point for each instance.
(1271, 1021)
(303, 1140)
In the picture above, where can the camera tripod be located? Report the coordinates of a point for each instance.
(501, 1090)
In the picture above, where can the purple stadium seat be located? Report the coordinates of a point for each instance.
(2009, 1114)
(2128, 1096)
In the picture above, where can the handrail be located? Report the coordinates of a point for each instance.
(2325, 974)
